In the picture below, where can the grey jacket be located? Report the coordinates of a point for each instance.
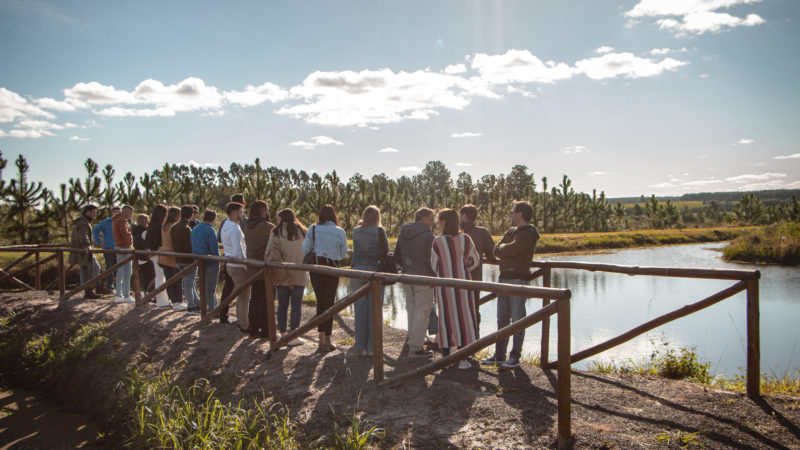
(367, 247)
(413, 249)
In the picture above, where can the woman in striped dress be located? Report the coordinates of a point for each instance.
(453, 255)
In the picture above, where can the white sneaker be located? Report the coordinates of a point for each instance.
(179, 306)
(464, 364)
(119, 300)
(296, 342)
(128, 300)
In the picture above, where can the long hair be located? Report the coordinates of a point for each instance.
(173, 216)
(288, 221)
(371, 216)
(450, 218)
(327, 213)
(159, 214)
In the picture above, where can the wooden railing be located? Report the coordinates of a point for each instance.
(561, 307)
(746, 280)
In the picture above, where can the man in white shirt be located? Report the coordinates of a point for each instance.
(233, 245)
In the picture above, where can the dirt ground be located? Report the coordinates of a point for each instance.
(453, 408)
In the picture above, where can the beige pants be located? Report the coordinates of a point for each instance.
(239, 276)
(419, 301)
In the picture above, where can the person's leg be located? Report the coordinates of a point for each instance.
(257, 310)
(95, 271)
(503, 319)
(162, 298)
(190, 289)
(212, 276)
(297, 306)
(517, 306)
(227, 288)
(283, 307)
(408, 291)
(317, 283)
(331, 284)
(239, 276)
(363, 320)
(422, 298)
(110, 260)
(147, 275)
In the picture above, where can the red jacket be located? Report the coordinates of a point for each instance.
(122, 232)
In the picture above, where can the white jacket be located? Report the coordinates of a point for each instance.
(233, 242)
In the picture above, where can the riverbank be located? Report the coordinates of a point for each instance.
(320, 397)
(772, 244)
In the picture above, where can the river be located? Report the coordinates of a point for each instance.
(604, 305)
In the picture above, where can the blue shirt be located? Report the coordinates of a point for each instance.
(367, 247)
(328, 240)
(204, 241)
(104, 234)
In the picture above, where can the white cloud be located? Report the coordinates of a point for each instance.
(745, 141)
(751, 177)
(372, 97)
(56, 105)
(194, 163)
(519, 66)
(598, 173)
(515, 90)
(409, 169)
(703, 75)
(255, 95)
(660, 51)
(117, 111)
(455, 69)
(316, 141)
(77, 138)
(14, 106)
(626, 65)
(31, 133)
(388, 150)
(464, 164)
(604, 49)
(694, 16)
(576, 149)
(792, 156)
(706, 182)
(465, 135)
(95, 93)
(662, 185)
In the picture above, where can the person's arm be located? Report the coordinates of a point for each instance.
(213, 242)
(472, 256)
(488, 248)
(83, 237)
(522, 243)
(507, 237)
(342, 244)
(308, 244)
(398, 257)
(429, 238)
(434, 260)
(96, 232)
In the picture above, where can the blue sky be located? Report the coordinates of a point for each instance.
(630, 97)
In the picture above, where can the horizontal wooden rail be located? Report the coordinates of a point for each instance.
(676, 272)
(97, 278)
(475, 347)
(658, 321)
(167, 283)
(33, 265)
(343, 303)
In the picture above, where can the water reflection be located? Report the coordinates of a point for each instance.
(605, 305)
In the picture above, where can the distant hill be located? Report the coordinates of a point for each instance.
(768, 196)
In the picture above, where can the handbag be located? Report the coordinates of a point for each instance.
(311, 257)
(387, 263)
(278, 275)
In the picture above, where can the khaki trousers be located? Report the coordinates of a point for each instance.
(239, 276)
(419, 301)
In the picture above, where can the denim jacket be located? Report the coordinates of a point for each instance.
(331, 241)
(367, 249)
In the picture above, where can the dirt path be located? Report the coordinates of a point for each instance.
(453, 408)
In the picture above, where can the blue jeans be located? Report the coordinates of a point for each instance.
(110, 260)
(510, 308)
(89, 271)
(123, 284)
(212, 276)
(285, 295)
(188, 282)
(363, 313)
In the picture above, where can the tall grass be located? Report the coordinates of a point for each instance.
(664, 361)
(779, 243)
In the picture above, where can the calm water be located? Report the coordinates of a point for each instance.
(604, 305)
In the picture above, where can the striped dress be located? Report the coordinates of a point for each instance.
(454, 257)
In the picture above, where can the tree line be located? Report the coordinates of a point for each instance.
(39, 214)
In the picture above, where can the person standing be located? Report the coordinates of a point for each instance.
(515, 252)
(204, 242)
(413, 253)
(154, 243)
(235, 247)
(453, 255)
(256, 237)
(168, 264)
(181, 236)
(480, 236)
(329, 243)
(286, 245)
(195, 219)
(369, 242)
(123, 241)
(81, 238)
(227, 281)
(103, 234)
(139, 233)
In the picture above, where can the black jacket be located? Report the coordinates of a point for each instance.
(515, 252)
(139, 241)
(483, 243)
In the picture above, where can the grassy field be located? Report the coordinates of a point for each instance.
(777, 244)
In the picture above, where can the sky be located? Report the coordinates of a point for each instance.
(633, 97)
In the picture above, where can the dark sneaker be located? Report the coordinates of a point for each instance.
(102, 290)
(193, 311)
(421, 353)
(512, 363)
(89, 295)
(492, 361)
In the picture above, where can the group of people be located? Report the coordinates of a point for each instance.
(457, 252)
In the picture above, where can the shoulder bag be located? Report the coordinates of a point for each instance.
(311, 257)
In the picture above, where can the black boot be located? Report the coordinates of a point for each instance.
(89, 294)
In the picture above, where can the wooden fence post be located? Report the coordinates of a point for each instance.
(753, 342)
(544, 355)
(38, 275)
(136, 276)
(62, 282)
(270, 290)
(377, 330)
(564, 374)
